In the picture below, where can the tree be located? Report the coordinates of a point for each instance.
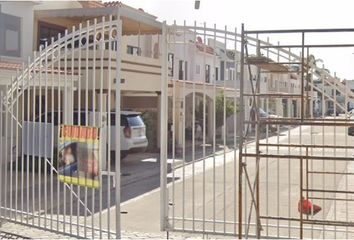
(219, 105)
(219, 110)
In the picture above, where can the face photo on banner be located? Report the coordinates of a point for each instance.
(79, 161)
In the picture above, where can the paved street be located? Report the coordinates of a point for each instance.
(279, 189)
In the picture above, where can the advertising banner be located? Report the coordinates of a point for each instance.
(79, 155)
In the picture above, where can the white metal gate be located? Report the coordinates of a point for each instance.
(202, 136)
(253, 149)
(70, 81)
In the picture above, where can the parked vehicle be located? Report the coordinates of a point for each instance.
(44, 131)
(263, 114)
(330, 112)
(133, 131)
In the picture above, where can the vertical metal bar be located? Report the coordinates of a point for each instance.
(87, 37)
(59, 123)
(224, 139)
(323, 154)
(267, 150)
(193, 141)
(65, 112)
(16, 144)
(278, 152)
(335, 153)
(11, 146)
(289, 161)
(235, 131)
(52, 138)
(45, 134)
(33, 136)
(214, 133)
(184, 135)
(301, 198)
(101, 46)
(110, 39)
(94, 49)
(117, 129)
(163, 127)
(204, 120)
(71, 92)
(40, 157)
(346, 155)
(310, 114)
(302, 75)
(79, 40)
(241, 131)
(173, 127)
(28, 140)
(6, 108)
(307, 174)
(258, 227)
(2, 165)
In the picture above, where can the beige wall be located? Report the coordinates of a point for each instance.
(25, 11)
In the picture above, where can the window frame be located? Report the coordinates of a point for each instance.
(7, 22)
(50, 26)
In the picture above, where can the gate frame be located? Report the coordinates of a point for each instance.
(306, 117)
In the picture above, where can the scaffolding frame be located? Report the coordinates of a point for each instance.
(305, 118)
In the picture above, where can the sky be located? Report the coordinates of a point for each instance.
(270, 14)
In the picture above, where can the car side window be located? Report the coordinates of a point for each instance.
(82, 119)
(113, 119)
(56, 118)
(123, 121)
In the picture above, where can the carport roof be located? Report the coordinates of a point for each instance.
(134, 21)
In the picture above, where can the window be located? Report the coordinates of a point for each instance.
(10, 35)
(48, 31)
(135, 121)
(231, 74)
(216, 74)
(170, 64)
(207, 73)
(133, 50)
(185, 70)
(197, 69)
(180, 70)
(222, 70)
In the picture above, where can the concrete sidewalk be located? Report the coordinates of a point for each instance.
(214, 198)
(279, 190)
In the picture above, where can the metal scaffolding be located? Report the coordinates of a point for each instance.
(311, 181)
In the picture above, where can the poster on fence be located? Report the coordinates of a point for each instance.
(79, 155)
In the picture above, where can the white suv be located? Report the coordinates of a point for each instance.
(132, 134)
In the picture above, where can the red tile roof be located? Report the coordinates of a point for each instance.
(10, 65)
(18, 66)
(92, 4)
(113, 4)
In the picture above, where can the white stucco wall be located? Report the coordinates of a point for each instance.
(24, 10)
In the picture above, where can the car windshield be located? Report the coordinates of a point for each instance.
(135, 121)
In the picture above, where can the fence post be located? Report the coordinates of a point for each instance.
(163, 131)
(117, 120)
